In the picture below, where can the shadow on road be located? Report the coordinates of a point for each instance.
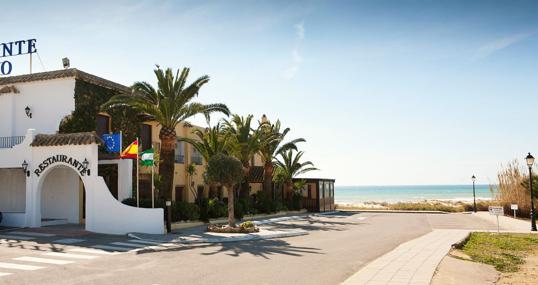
(260, 248)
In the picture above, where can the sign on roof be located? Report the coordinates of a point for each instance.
(14, 49)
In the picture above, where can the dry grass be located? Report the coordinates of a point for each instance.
(511, 190)
(422, 206)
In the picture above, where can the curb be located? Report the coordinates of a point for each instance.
(395, 211)
(248, 237)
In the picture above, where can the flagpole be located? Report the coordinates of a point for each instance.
(152, 182)
(137, 175)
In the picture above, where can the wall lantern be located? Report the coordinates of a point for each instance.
(85, 163)
(25, 168)
(28, 112)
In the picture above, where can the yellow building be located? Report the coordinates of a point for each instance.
(186, 155)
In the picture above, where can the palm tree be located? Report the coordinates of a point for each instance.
(289, 166)
(169, 104)
(274, 138)
(244, 143)
(209, 142)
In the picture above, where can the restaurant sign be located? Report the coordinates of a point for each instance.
(81, 167)
(14, 49)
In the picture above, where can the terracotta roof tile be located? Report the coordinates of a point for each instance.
(66, 139)
(65, 73)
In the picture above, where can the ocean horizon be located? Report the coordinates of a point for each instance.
(411, 193)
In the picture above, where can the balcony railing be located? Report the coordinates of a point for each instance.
(9, 142)
(179, 158)
(197, 160)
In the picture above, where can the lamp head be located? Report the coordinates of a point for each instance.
(85, 163)
(530, 160)
(28, 112)
(473, 178)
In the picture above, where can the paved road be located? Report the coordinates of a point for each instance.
(337, 247)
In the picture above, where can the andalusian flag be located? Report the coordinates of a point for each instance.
(131, 151)
(146, 157)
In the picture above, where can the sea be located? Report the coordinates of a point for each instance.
(411, 193)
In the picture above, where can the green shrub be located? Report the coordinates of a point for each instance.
(238, 210)
(247, 224)
(216, 209)
(294, 202)
(183, 211)
(144, 203)
(265, 204)
(247, 206)
(129, 202)
(204, 209)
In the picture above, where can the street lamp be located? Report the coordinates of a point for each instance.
(474, 193)
(85, 164)
(25, 168)
(530, 162)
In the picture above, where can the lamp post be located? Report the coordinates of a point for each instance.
(474, 193)
(530, 162)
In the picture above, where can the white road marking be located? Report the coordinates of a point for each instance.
(19, 266)
(361, 218)
(70, 255)
(10, 237)
(4, 274)
(92, 250)
(43, 260)
(128, 244)
(109, 247)
(32, 234)
(144, 242)
(69, 240)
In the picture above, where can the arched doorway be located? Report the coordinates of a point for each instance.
(62, 197)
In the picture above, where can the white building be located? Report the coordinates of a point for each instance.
(48, 178)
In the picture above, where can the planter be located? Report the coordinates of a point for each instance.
(192, 224)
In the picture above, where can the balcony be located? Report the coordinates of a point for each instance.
(179, 158)
(9, 142)
(197, 160)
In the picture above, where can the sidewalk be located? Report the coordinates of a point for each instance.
(413, 262)
(506, 223)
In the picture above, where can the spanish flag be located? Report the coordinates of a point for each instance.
(131, 151)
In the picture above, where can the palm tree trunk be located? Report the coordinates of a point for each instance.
(268, 180)
(231, 217)
(244, 190)
(289, 189)
(166, 166)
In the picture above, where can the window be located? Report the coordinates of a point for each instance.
(196, 156)
(179, 193)
(309, 189)
(145, 137)
(102, 125)
(180, 152)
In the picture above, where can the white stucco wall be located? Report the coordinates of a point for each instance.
(12, 190)
(50, 101)
(60, 195)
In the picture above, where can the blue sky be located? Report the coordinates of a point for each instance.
(385, 92)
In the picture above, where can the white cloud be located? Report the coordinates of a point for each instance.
(296, 57)
(299, 31)
(499, 44)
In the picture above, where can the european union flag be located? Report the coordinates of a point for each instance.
(112, 142)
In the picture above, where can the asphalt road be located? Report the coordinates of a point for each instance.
(337, 246)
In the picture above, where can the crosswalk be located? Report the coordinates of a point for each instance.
(69, 254)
